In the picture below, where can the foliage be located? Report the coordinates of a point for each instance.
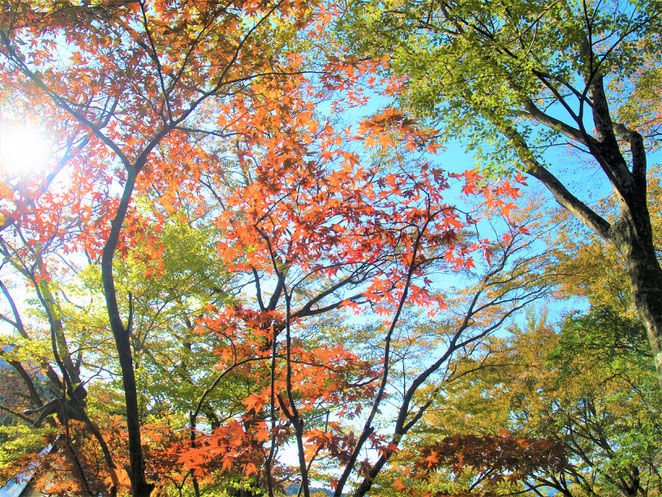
(234, 253)
(220, 265)
(495, 459)
(540, 384)
(475, 66)
(518, 80)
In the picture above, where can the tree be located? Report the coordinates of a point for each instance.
(589, 269)
(201, 147)
(77, 63)
(539, 75)
(326, 238)
(539, 387)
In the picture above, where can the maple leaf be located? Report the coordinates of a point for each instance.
(520, 178)
(254, 402)
(398, 485)
(506, 208)
(228, 461)
(434, 147)
(250, 469)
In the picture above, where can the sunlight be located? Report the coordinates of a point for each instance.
(24, 148)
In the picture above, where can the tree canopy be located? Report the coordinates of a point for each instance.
(244, 265)
(517, 79)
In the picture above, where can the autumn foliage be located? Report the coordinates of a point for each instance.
(494, 458)
(221, 263)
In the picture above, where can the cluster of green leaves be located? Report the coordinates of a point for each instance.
(585, 388)
(476, 67)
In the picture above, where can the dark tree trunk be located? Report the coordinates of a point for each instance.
(121, 333)
(646, 284)
(631, 233)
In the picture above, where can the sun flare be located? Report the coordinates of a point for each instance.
(24, 148)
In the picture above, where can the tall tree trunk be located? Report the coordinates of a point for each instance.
(139, 485)
(645, 282)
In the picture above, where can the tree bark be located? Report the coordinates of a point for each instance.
(645, 282)
(139, 485)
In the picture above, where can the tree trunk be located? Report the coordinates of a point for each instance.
(139, 485)
(645, 282)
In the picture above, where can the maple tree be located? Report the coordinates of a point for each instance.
(383, 269)
(496, 461)
(516, 79)
(204, 233)
(130, 77)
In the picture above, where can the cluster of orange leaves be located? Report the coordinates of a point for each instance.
(494, 459)
(299, 196)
